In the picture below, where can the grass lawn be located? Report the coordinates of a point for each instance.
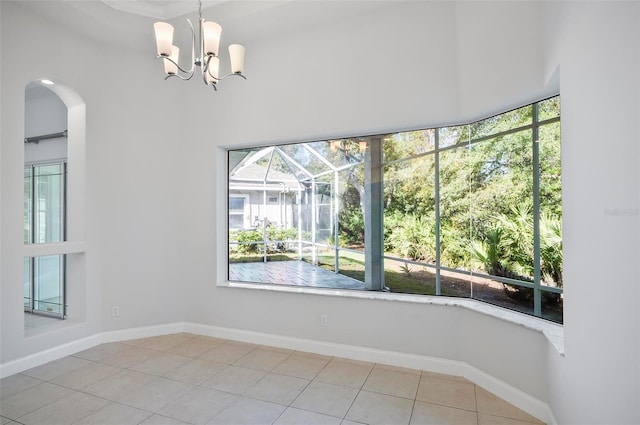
(258, 258)
(412, 279)
(352, 265)
(396, 278)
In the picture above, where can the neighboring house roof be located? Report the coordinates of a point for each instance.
(253, 175)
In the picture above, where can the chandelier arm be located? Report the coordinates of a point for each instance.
(205, 72)
(237, 74)
(179, 76)
(191, 71)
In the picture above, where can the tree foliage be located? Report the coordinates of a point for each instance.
(486, 192)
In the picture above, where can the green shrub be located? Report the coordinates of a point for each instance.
(351, 227)
(411, 236)
(551, 249)
(278, 239)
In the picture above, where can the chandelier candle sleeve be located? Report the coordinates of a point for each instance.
(164, 38)
(213, 71)
(170, 67)
(211, 34)
(236, 53)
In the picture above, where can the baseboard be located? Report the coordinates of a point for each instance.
(143, 332)
(54, 353)
(522, 400)
(46, 356)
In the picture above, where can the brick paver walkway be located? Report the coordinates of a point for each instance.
(296, 273)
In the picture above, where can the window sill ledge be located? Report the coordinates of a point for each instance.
(552, 331)
(56, 248)
(50, 326)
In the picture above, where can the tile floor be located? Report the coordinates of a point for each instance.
(189, 379)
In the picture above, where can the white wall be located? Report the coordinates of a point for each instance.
(133, 201)
(152, 232)
(45, 114)
(599, 78)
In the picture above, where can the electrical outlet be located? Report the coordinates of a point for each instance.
(323, 320)
(115, 311)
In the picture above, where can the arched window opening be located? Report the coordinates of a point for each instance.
(54, 120)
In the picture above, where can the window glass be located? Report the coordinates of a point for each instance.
(45, 181)
(500, 123)
(501, 214)
(403, 145)
(454, 135)
(460, 206)
(455, 221)
(48, 203)
(409, 226)
(549, 108)
(48, 275)
(26, 272)
(28, 205)
(236, 213)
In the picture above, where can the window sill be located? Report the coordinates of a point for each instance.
(57, 248)
(552, 331)
(48, 326)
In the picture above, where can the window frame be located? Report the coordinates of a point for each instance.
(534, 127)
(31, 302)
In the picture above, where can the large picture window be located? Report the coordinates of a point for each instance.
(472, 211)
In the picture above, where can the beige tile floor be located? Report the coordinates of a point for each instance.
(189, 379)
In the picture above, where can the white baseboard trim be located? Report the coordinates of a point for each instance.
(54, 353)
(46, 356)
(143, 332)
(522, 400)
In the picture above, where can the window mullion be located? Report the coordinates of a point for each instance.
(437, 207)
(537, 296)
(373, 219)
(32, 262)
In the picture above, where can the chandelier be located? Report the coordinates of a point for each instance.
(208, 61)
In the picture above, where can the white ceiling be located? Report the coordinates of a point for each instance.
(160, 9)
(129, 23)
